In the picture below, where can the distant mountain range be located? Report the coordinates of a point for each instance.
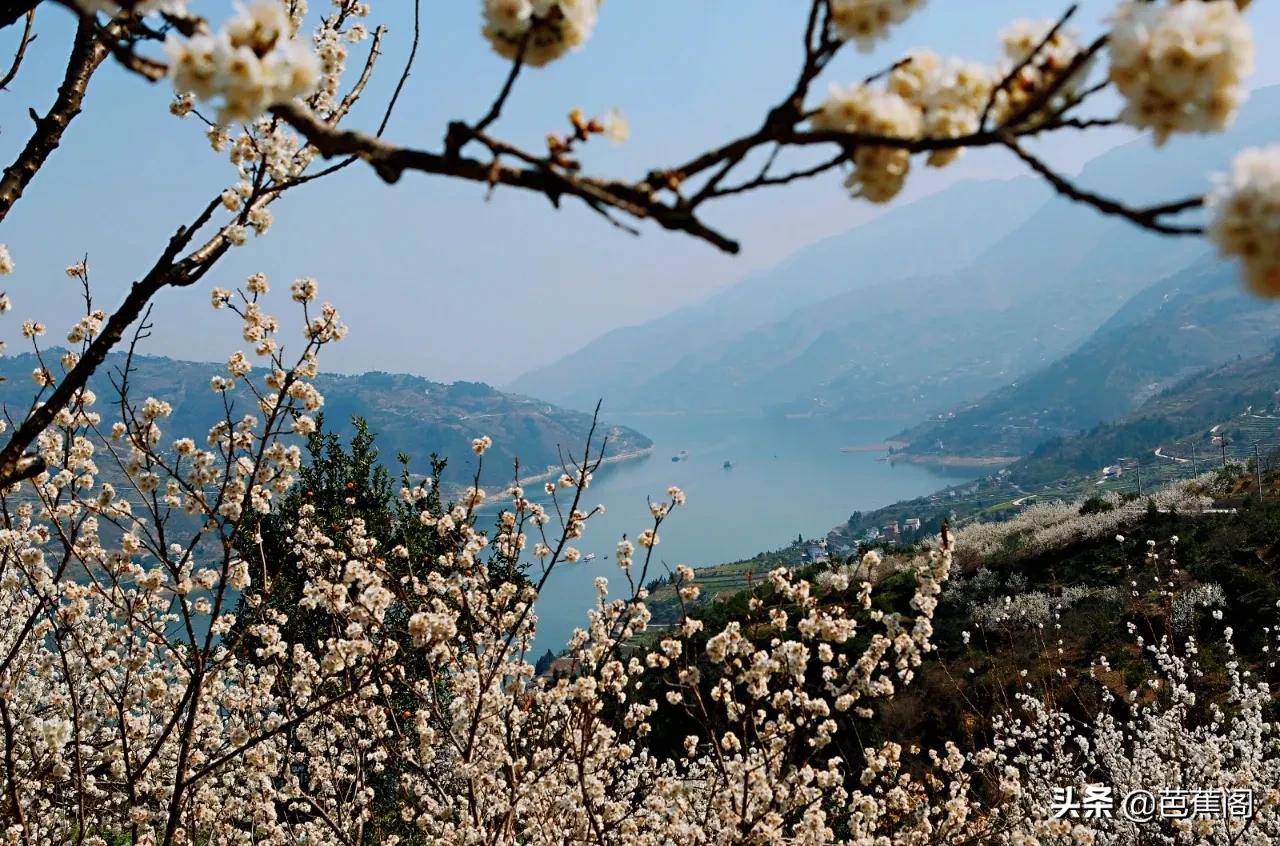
(1196, 319)
(408, 414)
(867, 256)
(931, 305)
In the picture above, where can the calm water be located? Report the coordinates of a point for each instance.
(788, 478)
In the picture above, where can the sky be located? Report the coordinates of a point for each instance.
(433, 276)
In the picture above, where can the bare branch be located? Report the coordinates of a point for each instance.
(1147, 218)
(87, 55)
(21, 52)
(12, 11)
(495, 110)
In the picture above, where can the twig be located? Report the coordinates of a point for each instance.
(1148, 218)
(495, 110)
(1025, 63)
(391, 162)
(764, 180)
(21, 52)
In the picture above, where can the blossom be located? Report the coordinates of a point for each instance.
(304, 290)
(1244, 210)
(1042, 61)
(879, 171)
(867, 21)
(6, 261)
(616, 127)
(252, 64)
(1180, 67)
(538, 31)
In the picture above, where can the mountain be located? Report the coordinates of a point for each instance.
(861, 258)
(1238, 402)
(1198, 318)
(408, 414)
(916, 324)
(1230, 412)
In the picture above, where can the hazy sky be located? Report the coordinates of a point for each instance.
(432, 278)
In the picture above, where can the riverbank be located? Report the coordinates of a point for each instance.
(950, 460)
(553, 472)
(894, 448)
(883, 446)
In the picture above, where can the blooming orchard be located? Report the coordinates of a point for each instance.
(154, 687)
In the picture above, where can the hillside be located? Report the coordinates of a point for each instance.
(1173, 435)
(408, 414)
(882, 331)
(1034, 614)
(1196, 319)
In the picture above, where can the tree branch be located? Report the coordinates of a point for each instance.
(1147, 218)
(391, 162)
(11, 11)
(86, 57)
(21, 52)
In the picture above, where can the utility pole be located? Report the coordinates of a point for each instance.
(1194, 470)
(1257, 467)
(1138, 470)
(1223, 441)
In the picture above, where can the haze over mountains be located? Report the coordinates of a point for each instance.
(932, 305)
(1196, 319)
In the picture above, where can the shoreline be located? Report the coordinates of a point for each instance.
(883, 446)
(554, 472)
(950, 460)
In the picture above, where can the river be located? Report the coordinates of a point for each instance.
(789, 478)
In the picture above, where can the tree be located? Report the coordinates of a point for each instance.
(918, 105)
(372, 683)
(544, 663)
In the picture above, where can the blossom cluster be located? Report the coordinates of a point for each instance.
(538, 31)
(1147, 739)
(1051, 525)
(1188, 603)
(930, 98)
(1244, 210)
(879, 171)
(255, 61)
(1042, 68)
(867, 21)
(1181, 67)
(148, 701)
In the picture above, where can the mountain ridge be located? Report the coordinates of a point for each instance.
(1194, 320)
(409, 414)
(900, 346)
